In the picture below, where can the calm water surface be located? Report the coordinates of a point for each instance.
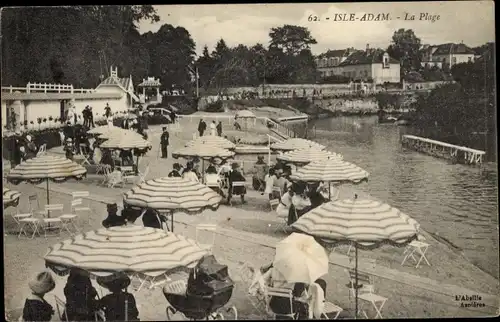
(456, 202)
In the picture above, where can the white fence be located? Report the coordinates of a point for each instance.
(46, 88)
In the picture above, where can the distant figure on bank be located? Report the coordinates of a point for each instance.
(164, 143)
(36, 308)
(219, 128)
(176, 172)
(202, 126)
(237, 125)
(213, 127)
(107, 111)
(113, 219)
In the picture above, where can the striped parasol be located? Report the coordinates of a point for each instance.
(171, 194)
(104, 129)
(362, 223)
(116, 134)
(126, 142)
(203, 152)
(212, 140)
(131, 249)
(303, 156)
(296, 144)
(46, 168)
(330, 170)
(10, 198)
(245, 114)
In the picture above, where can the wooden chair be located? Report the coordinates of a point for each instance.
(61, 305)
(234, 185)
(365, 292)
(83, 206)
(209, 228)
(284, 293)
(143, 175)
(68, 221)
(274, 204)
(53, 222)
(99, 315)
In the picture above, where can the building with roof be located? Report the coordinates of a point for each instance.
(38, 100)
(150, 84)
(332, 58)
(370, 65)
(446, 55)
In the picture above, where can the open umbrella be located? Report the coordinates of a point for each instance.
(46, 168)
(213, 140)
(300, 259)
(10, 198)
(131, 249)
(295, 144)
(245, 114)
(103, 129)
(330, 170)
(204, 152)
(171, 194)
(127, 142)
(304, 156)
(116, 134)
(362, 223)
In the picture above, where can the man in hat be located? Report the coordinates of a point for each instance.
(15, 149)
(164, 142)
(176, 172)
(91, 118)
(219, 128)
(36, 308)
(114, 304)
(85, 114)
(69, 148)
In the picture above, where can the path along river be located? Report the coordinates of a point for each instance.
(454, 202)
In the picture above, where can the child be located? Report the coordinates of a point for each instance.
(36, 308)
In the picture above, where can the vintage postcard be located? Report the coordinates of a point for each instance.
(250, 161)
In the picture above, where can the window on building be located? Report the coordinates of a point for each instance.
(470, 59)
(385, 61)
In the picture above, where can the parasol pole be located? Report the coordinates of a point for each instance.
(356, 280)
(48, 199)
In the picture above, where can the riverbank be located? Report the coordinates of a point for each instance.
(246, 231)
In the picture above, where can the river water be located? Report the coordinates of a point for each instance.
(455, 202)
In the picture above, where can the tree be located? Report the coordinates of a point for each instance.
(291, 39)
(405, 47)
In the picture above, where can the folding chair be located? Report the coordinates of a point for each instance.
(206, 227)
(106, 171)
(365, 292)
(85, 159)
(329, 309)
(348, 250)
(42, 150)
(284, 223)
(29, 223)
(63, 316)
(68, 221)
(115, 178)
(257, 289)
(128, 174)
(81, 207)
(18, 216)
(99, 315)
(236, 184)
(35, 209)
(418, 248)
(143, 175)
(274, 204)
(152, 278)
(284, 293)
(277, 190)
(54, 222)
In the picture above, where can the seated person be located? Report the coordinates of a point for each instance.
(107, 158)
(189, 173)
(126, 157)
(234, 176)
(130, 214)
(113, 219)
(316, 196)
(153, 219)
(113, 304)
(69, 149)
(36, 308)
(211, 169)
(176, 172)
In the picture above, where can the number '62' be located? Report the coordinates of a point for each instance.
(312, 18)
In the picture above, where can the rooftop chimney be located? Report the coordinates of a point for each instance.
(367, 47)
(114, 72)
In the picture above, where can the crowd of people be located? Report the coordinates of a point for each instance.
(82, 299)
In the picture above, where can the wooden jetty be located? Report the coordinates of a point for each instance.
(440, 149)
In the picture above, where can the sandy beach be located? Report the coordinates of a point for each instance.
(247, 233)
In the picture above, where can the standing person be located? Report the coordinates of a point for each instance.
(189, 172)
(219, 128)
(107, 110)
(68, 148)
(15, 148)
(202, 126)
(269, 179)
(213, 127)
(81, 296)
(91, 117)
(164, 143)
(86, 117)
(36, 308)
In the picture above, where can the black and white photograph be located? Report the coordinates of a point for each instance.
(252, 161)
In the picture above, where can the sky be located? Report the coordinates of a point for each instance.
(472, 22)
